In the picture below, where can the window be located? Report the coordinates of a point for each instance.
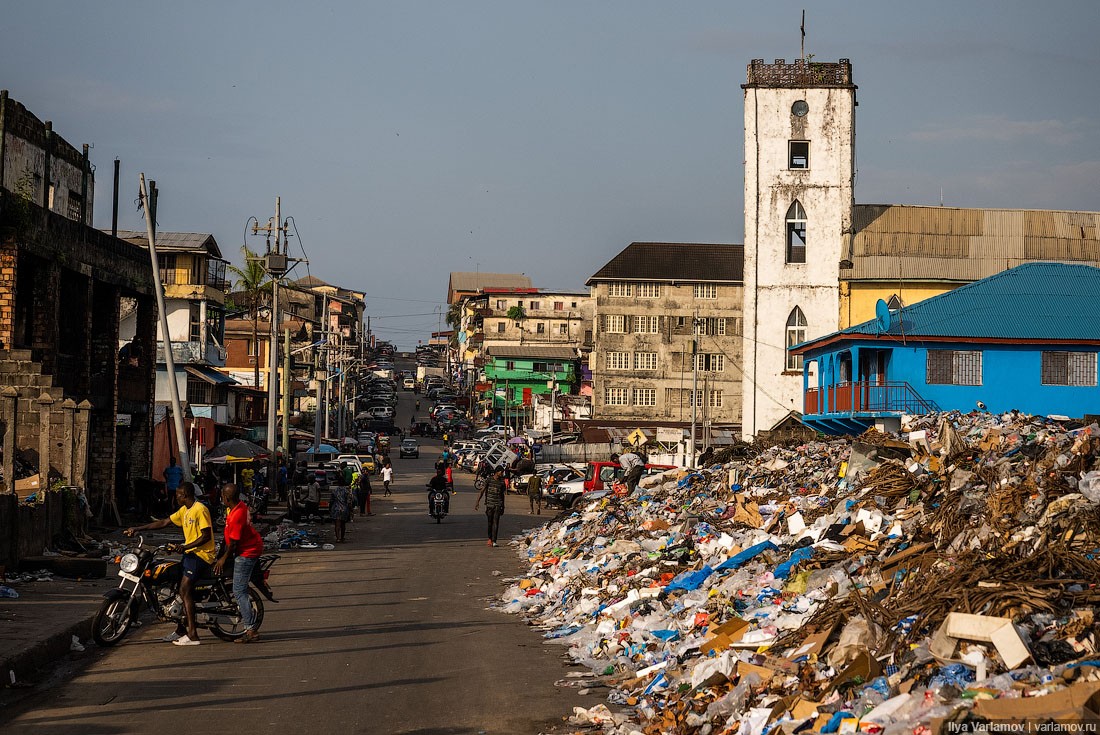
(540, 328)
(198, 270)
(799, 154)
(1069, 368)
(714, 326)
(510, 365)
(796, 234)
(614, 323)
(615, 396)
(534, 305)
(539, 367)
(715, 399)
(251, 346)
(167, 264)
(796, 333)
(705, 291)
(645, 325)
(194, 330)
(709, 362)
(954, 367)
(563, 329)
(618, 360)
(573, 305)
(76, 203)
(559, 306)
(198, 391)
(894, 304)
(649, 290)
(645, 360)
(502, 304)
(645, 396)
(500, 327)
(620, 290)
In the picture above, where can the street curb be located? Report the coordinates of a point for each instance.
(36, 657)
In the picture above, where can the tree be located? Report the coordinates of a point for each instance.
(517, 314)
(254, 282)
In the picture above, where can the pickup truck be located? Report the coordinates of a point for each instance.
(598, 478)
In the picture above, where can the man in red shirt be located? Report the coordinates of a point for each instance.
(245, 545)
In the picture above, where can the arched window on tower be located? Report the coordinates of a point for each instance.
(796, 334)
(796, 233)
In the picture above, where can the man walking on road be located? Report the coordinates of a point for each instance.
(387, 478)
(245, 546)
(493, 492)
(534, 492)
(197, 548)
(363, 493)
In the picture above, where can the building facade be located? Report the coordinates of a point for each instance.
(518, 374)
(1024, 339)
(668, 329)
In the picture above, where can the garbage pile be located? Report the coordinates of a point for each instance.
(891, 583)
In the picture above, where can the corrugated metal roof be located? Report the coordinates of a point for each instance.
(177, 241)
(910, 243)
(1034, 301)
(675, 261)
(465, 281)
(553, 353)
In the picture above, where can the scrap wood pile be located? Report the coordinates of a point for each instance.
(886, 583)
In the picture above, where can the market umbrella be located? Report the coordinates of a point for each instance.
(235, 450)
(517, 440)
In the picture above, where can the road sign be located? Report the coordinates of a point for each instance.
(637, 437)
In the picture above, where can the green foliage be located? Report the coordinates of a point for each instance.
(516, 314)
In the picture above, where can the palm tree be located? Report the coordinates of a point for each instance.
(253, 280)
(517, 314)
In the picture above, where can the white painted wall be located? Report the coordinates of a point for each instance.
(772, 286)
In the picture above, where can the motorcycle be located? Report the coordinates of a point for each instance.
(437, 501)
(155, 581)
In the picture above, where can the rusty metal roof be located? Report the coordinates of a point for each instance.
(177, 242)
(913, 243)
(675, 261)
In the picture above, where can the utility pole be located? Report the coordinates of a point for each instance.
(275, 263)
(286, 395)
(694, 382)
(170, 362)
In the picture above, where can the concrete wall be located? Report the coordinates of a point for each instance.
(773, 287)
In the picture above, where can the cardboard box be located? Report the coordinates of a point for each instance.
(1077, 703)
(982, 628)
(864, 666)
(763, 672)
(813, 644)
(28, 485)
(725, 635)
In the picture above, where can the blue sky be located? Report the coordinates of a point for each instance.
(409, 139)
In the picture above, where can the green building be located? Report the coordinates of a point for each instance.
(513, 370)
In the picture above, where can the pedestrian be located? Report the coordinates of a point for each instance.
(418, 404)
(633, 466)
(243, 549)
(283, 479)
(534, 492)
(345, 474)
(493, 492)
(363, 493)
(312, 505)
(339, 509)
(173, 476)
(248, 476)
(387, 477)
(450, 479)
(198, 554)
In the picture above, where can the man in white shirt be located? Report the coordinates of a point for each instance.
(633, 466)
(387, 478)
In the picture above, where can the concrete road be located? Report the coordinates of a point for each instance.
(389, 633)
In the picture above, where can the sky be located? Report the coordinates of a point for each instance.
(408, 139)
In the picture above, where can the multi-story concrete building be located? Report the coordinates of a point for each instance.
(657, 304)
(192, 271)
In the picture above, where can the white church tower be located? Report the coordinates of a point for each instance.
(799, 179)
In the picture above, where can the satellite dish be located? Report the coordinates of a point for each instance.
(883, 316)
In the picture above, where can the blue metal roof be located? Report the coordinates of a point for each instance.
(1034, 301)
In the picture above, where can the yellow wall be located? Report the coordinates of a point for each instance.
(857, 300)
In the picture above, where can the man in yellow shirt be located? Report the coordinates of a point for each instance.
(197, 548)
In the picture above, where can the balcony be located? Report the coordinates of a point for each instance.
(184, 353)
(851, 408)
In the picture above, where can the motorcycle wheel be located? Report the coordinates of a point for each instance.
(230, 627)
(111, 622)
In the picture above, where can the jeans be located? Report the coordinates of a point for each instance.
(242, 572)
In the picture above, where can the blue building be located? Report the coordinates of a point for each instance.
(1026, 339)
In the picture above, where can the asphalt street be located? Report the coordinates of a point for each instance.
(389, 633)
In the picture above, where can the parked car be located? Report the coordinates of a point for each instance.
(410, 448)
(409, 384)
(559, 473)
(496, 430)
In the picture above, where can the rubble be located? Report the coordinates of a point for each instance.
(881, 584)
